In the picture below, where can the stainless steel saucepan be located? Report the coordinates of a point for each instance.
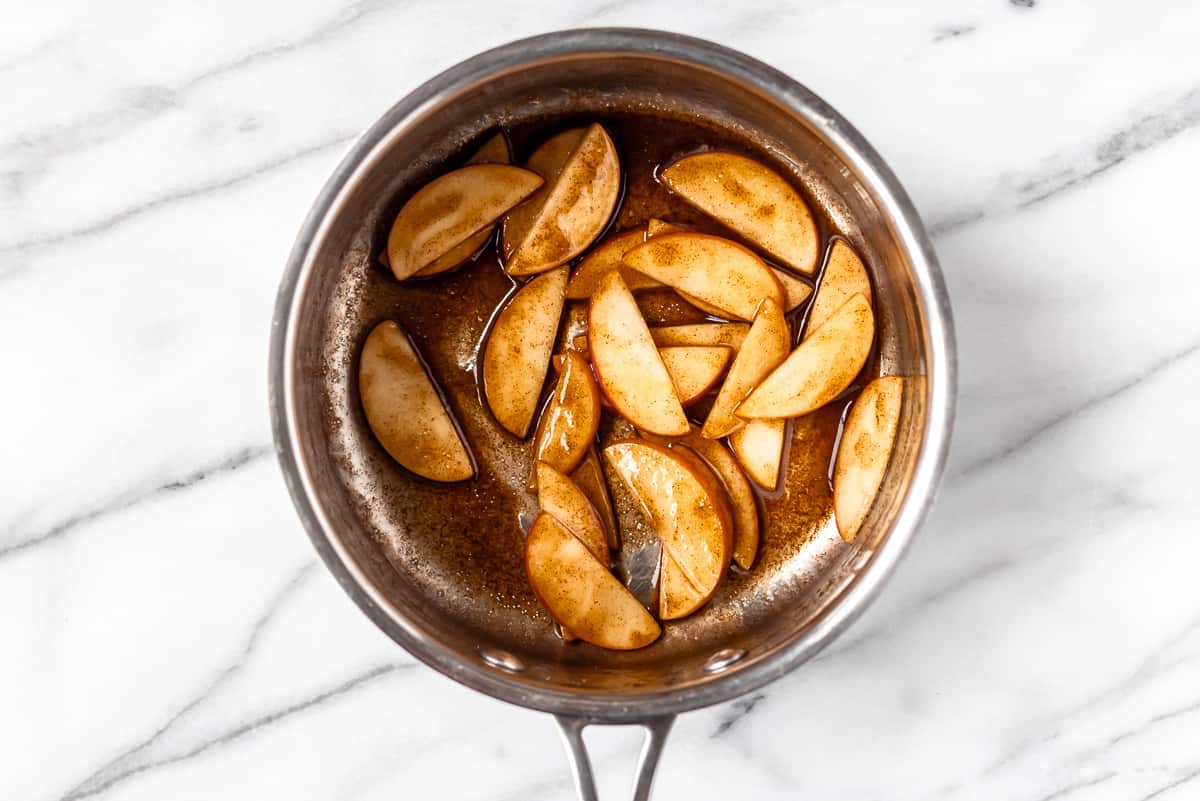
(440, 604)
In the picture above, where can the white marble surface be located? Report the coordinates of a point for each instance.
(166, 630)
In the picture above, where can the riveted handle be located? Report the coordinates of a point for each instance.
(572, 728)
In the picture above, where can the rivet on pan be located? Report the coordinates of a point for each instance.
(502, 660)
(723, 659)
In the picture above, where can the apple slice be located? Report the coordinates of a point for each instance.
(589, 477)
(607, 256)
(580, 593)
(714, 271)
(741, 496)
(449, 210)
(677, 597)
(627, 364)
(518, 350)
(560, 497)
(405, 410)
(864, 452)
(547, 161)
(844, 277)
(694, 370)
(758, 445)
(494, 151)
(819, 369)
(569, 424)
(751, 199)
(730, 335)
(765, 348)
(684, 502)
(576, 209)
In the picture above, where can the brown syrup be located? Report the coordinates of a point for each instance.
(474, 530)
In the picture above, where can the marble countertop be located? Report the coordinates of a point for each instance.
(167, 631)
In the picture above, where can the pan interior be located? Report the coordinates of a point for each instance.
(445, 561)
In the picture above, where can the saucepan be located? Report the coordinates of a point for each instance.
(436, 602)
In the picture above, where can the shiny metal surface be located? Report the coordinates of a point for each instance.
(345, 499)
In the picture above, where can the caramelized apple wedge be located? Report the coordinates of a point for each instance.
(575, 210)
(864, 452)
(686, 505)
(765, 348)
(580, 593)
(547, 161)
(605, 257)
(589, 477)
(694, 370)
(844, 277)
(751, 199)
(405, 410)
(450, 209)
(560, 497)
(819, 369)
(518, 350)
(628, 367)
(730, 335)
(758, 445)
(725, 276)
(569, 423)
(677, 597)
(494, 151)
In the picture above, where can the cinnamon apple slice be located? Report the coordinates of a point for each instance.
(568, 426)
(864, 451)
(405, 410)
(494, 151)
(686, 505)
(730, 335)
(677, 597)
(758, 445)
(715, 271)
(694, 370)
(819, 369)
(560, 497)
(607, 256)
(751, 199)
(450, 209)
(518, 350)
(589, 477)
(575, 210)
(844, 277)
(547, 161)
(629, 370)
(765, 348)
(580, 593)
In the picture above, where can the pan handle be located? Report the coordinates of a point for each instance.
(572, 728)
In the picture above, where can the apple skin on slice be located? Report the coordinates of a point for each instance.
(405, 411)
(559, 496)
(629, 370)
(695, 370)
(518, 350)
(575, 211)
(758, 445)
(684, 502)
(715, 271)
(844, 277)
(605, 257)
(449, 210)
(819, 369)
(751, 199)
(764, 349)
(864, 452)
(568, 426)
(589, 477)
(730, 335)
(580, 593)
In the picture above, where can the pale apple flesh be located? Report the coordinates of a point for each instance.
(576, 209)
(731, 335)
(819, 369)
(568, 425)
(751, 199)
(405, 411)
(628, 368)
(589, 477)
(864, 452)
(685, 504)
(580, 593)
(677, 596)
(758, 446)
(518, 350)
(561, 497)
(843, 278)
(604, 257)
(694, 370)
(720, 273)
(450, 209)
(765, 347)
